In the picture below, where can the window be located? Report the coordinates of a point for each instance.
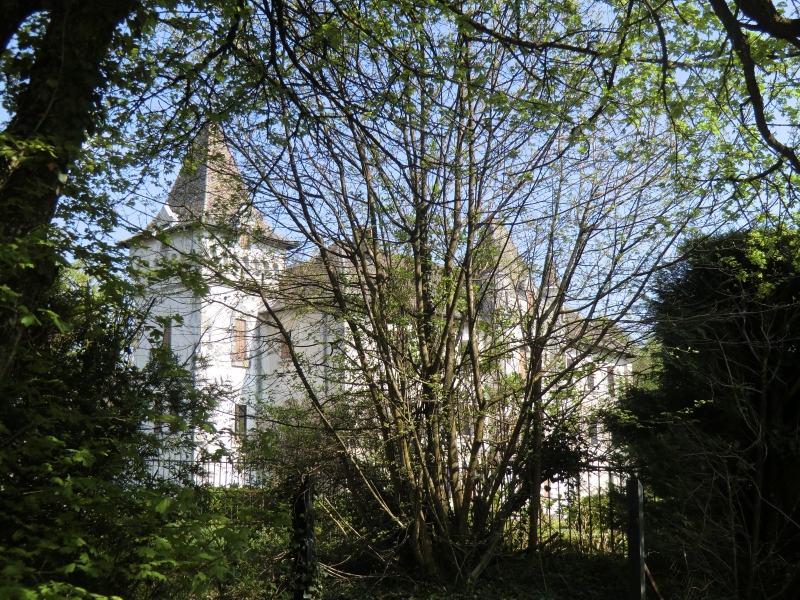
(239, 341)
(244, 240)
(166, 336)
(286, 353)
(590, 381)
(612, 386)
(594, 432)
(240, 420)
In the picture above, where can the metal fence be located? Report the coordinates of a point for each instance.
(235, 473)
(583, 512)
(216, 474)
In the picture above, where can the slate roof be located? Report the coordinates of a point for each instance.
(209, 192)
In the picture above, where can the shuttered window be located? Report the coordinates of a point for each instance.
(285, 352)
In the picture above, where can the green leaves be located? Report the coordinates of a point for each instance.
(163, 506)
(707, 426)
(78, 495)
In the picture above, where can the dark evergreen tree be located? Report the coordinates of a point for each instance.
(714, 428)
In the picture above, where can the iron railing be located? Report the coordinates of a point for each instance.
(583, 511)
(222, 473)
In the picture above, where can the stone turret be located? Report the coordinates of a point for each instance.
(209, 185)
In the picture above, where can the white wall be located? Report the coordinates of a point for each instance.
(205, 339)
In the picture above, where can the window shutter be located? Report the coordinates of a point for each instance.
(166, 338)
(285, 352)
(239, 346)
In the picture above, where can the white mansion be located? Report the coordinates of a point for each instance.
(222, 333)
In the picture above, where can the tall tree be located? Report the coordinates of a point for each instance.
(68, 67)
(460, 231)
(82, 515)
(54, 90)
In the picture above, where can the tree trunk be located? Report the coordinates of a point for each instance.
(52, 116)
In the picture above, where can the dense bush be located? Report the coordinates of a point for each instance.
(82, 514)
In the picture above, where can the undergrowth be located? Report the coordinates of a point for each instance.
(556, 578)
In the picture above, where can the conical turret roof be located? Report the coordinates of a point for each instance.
(508, 261)
(210, 191)
(209, 186)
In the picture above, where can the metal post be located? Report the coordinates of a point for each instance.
(611, 510)
(635, 498)
(306, 567)
(589, 501)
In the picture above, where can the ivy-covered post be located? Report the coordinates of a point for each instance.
(307, 579)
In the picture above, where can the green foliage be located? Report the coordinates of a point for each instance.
(714, 434)
(82, 514)
(263, 571)
(259, 568)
